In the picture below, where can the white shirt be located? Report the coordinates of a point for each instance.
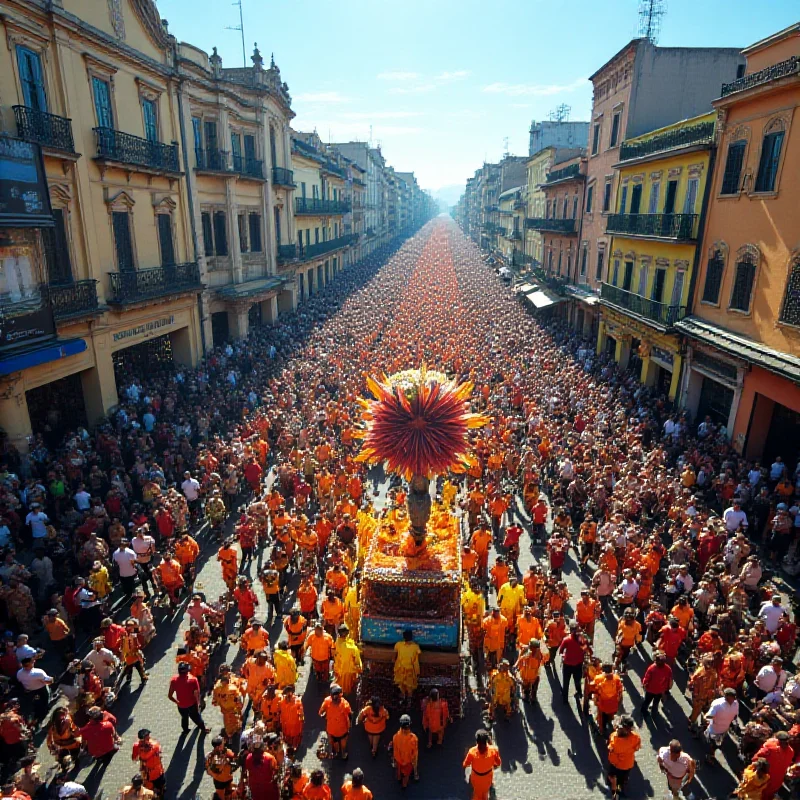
(191, 489)
(733, 519)
(34, 679)
(38, 521)
(126, 561)
(768, 680)
(629, 588)
(677, 768)
(142, 546)
(104, 661)
(722, 714)
(771, 615)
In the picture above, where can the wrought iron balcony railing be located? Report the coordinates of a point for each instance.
(282, 176)
(681, 227)
(660, 313)
(286, 252)
(144, 284)
(124, 148)
(73, 299)
(557, 225)
(45, 129)
(780, 70)
(211, 160)
(315, 205)
(572, 171)
(320, 248)
(669, 140)
(249, 167)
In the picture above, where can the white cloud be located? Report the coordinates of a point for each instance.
(322, 97)
(456, 75)
(366, 115)
(398, 75)
(533, 89)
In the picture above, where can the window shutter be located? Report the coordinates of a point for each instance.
(165, 240)
(122, 241)
(102, 103)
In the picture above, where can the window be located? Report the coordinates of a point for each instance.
(241, 221)
(165, 239)
(335, 230)
(655, 192)
(150, 120)
(642, 291)
(273, 149)
(123, 243)
(59, 269)
(598, 275)
(303, 189)
(659, 280)
(210, 127)
(102, 103)
(575, 207)
(316, 235)
(669, 202)
(615, 129)
(732, 176)
(768, 165)
(595, 138)
(208, 236)
(691, 196)
(713, 284)
(607, 196)
(236, 151)
(743, 281)
(220, 234)
(277, 217)
(627, 281)
(790, 313)
(300, 242)
(315, 191)
(249, 149)
(636, 198)
(197, 135)
(584, 259)
(677, 288)
(308, 237)
(623, 199)
(31, 77)
(255, 230)
(564, 209)
(589, 198)
(547, 210)
(615, 278)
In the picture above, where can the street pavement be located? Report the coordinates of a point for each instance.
(547, 750)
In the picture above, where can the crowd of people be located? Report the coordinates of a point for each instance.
(252, 455)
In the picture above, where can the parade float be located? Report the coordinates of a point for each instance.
(417, 425)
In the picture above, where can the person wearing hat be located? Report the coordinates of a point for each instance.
(220, 765)
(184, 691)
(587, 612)
(629, 634)
(147, 751)
(254, 638)
(228, 696)
(720, 716)
(353, 787)
(482, 760)
(320, 643)
(502, 690)
(337, 714)
(622, 746)
(347, 664)
(292, 717)
(405, 752)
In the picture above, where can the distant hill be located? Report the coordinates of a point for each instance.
(448, 195)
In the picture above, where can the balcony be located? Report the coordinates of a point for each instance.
(553, 224)
(307, 252)
(135, 286)
(286, 252)
(211, 160)
(73, 299)
(45, 129)
(520, 204)
(678, 227)
(780, 70)
(334, 169)
(319, 207)
(515, 235)
(567, 173)
(126, 149)
(669, 140)
(661, 314)
(282, 177)
(248, 167)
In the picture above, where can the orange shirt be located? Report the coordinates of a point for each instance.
(337, 716)
(494, 630)
(374, 723)
(586, 610)
(405, 747)
(481, 540)
(622, 749)
(332, 611)
(186, 551)
(312, 792)
(528, 629)
(683, 613)
(291, 715)
(482, 763)
(307, 597)
(357, 793)
(321, 646)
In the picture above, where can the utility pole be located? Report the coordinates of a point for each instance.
(240, 28)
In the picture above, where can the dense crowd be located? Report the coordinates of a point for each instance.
(678, 538)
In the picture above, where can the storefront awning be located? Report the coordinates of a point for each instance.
(525, 288)
(543, 299)
(241, 291)
(51, 351)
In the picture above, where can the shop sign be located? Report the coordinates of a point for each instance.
(22, 328)
(24, 199)
(144, 328)
(664, 356)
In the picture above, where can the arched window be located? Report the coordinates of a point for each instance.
(714, 269)
(744, 278)
(790, 313)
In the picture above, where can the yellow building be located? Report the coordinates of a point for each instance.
(662, 177)
(320, 205)
(512, 207)
(116, 262)
(538, 165)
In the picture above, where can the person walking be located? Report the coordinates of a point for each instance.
(573, 649)
(184, 691)
(622, 746)
(482, 760)
(405, 752)
(679, 767)
(657, 682)
(374, 716)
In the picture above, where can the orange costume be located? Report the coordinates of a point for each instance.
(292, 718)
(483, 766)
(229, 560)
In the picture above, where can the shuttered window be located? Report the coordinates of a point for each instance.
(32, 78)
(123, 243)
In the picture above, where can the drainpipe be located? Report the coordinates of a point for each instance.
(190, 200)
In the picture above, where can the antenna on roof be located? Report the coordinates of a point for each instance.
(240, 28)
(560, 113)
(651, 12)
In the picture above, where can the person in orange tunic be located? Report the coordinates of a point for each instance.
(405, 752)
(320, 642)
(337, 713)
(374, 716)
(354, 788)
(480, 542)
(316, 788)
(435, 716)
(483, 759)
(170, 574)
(607, 691)
(622, 746)
(147, 752)
(292, 718)
(229, 560)
(186, 552)
(494, 637)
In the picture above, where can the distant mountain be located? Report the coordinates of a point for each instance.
(448, 195)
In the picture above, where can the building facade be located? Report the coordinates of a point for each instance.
(743, 336)
(556, 133)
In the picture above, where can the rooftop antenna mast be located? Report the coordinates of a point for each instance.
(560, 113)
(240, 28)
(651, 12)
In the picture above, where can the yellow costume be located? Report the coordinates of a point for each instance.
(285, 668)
(406, 666)
(501, 689)
(346, 663)
(352, 610)
(229, 698)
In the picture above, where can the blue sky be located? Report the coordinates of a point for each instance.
(444, 82)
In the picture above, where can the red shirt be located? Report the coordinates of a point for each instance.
(657, 678)
(112, 636)
(513, 533)
(671, 639)
(572, 651)
(261, 773)
(99, 736)
(186, 688)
